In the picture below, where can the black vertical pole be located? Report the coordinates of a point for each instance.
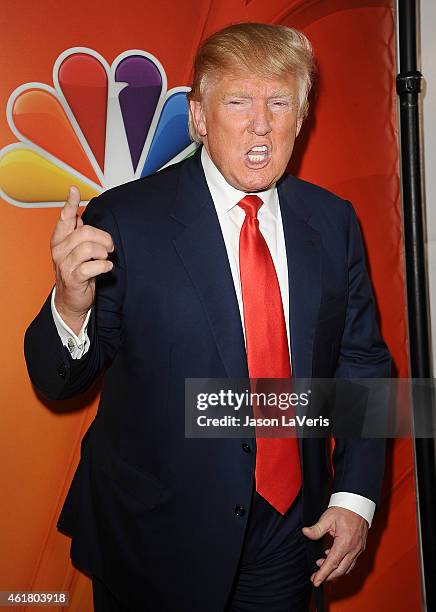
(408, 88)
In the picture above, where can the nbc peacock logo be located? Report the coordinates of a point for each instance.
(97, 127)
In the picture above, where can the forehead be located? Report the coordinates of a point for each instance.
(246, 83)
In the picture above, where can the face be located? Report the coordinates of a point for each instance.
(248, 125)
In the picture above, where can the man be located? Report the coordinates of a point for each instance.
(218, 267)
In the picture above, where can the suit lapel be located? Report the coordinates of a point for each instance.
(201, 247)
(202, 250)
(304, 274)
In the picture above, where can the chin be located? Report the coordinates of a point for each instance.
(258, 183)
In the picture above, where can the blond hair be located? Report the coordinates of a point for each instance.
(265, 50)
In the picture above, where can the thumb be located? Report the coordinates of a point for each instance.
(318, 530)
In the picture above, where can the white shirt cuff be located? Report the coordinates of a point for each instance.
(357, 503)
(77, 345)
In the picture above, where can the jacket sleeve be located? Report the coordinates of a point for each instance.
(359, 462)
(51, 369)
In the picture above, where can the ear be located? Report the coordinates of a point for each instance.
(198, 116)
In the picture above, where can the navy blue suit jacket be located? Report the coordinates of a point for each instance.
(150, 511)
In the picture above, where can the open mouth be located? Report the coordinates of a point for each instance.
(258, 154)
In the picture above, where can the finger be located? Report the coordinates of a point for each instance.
(85, 233)
(351, 566)
(68, 217)
(91, 269)
(343, 567)
(85, 251)
(317, 531)
(332, 562)
(89, 233)
(320, 561)
(340, 559)
(325, 524)
(327, 572)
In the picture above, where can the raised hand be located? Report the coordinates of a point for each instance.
(80, 253)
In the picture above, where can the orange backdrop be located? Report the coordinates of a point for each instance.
(349, 145)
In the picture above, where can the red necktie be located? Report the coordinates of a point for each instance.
(278, 469)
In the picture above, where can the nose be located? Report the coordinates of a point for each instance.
(260, 120)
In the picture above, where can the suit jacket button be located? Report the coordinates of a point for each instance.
(62, 370)
(246, 447)
(239, 510)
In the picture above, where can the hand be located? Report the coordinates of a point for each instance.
(79, 254)
(349, 531)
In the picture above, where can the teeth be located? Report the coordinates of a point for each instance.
(257, 154)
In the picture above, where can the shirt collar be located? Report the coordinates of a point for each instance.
(225, 196)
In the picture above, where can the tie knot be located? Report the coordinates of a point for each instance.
(250, 204)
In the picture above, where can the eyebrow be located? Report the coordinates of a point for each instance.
(281, 93)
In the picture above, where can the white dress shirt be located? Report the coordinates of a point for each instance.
(231, 217)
